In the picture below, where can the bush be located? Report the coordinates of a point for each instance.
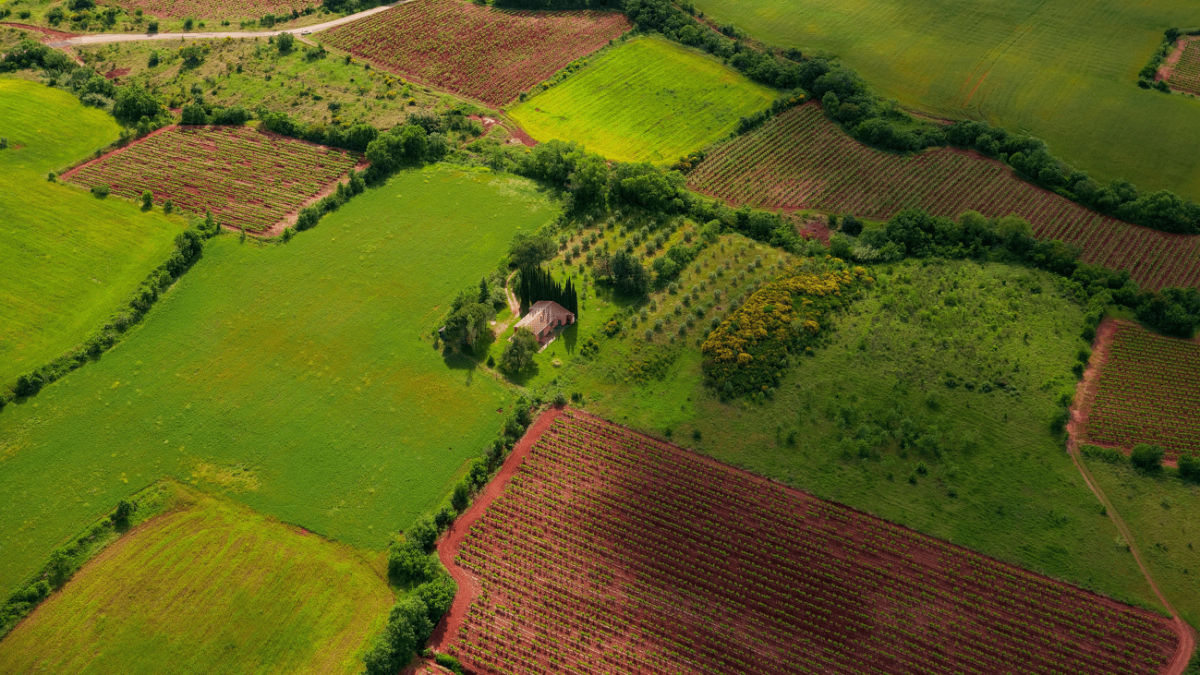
(1147, 458)
(285, 42)
(100, 191)
(124, 510)
(1189, 467)
(407, 563)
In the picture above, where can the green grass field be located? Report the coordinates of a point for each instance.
(646, 100)
(301, 378)
(210, 587)
(1063, 70)
(1163, 513)
(995, 479)
(67, 259)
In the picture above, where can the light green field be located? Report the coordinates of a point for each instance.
(1163, 513)
(996, 480)
(211, 587)
(1062, 70)
(646, 100)
(301, 378)
(67, 259)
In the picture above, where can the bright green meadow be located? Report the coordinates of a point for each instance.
(979, 468)
(1163, 512)
(209, 587)
(645, 100)
(1062, 70)
(67, 259)
(300, 378)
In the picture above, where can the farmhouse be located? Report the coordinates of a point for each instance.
(545, 318)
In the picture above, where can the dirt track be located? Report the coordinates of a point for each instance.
(1085, 395)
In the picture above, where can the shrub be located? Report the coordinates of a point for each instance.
(101, 191)
(1147, 458)
(147, 199)
(1189, 467)
(124, 510)
(461, 496)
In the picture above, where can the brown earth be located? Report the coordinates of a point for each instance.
(1168, 66)
(452, 540)
(48, 35)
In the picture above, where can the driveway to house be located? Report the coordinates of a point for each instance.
(104, 38)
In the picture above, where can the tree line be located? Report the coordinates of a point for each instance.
(536, 285)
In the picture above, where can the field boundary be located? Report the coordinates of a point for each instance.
(276, 228)
(449, 546)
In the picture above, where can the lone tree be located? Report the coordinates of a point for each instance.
(125, 509)
(1147, 458)
(518, 355)
(1189, 467)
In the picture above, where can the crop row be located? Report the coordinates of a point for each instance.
(1186, 76)
(247, 178)
(488, 54)
(801, 160)
(610, 552)
(1148, 392)
(222, 9)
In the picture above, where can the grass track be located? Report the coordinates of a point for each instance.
(1163, 513)
(1063, 70)
(646, 100)
(293, 376)
(67, 259)
(212, 587)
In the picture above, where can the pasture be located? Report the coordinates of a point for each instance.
(1064, 71)
(210, 586)
(647, 100)
(801, 160)
(67, 259)
(248, 178)
(1162, 511)
(609, 551)
(301, 379)
(868, 419)
(1147, 391)
(488, 54)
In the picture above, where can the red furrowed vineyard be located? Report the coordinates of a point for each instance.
(247, 178)
(1148, 392)
(801, 160)
(610, 552)
(1186, 75)
(221, 9)
(488, 54)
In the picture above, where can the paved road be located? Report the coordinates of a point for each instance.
(139, 37)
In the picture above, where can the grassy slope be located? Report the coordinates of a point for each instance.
(1163, 513)
(646, 100)
(213, 587)
(67, 260)
(361, 94)
(1017, 495)
(1063, 70)
(296, 374)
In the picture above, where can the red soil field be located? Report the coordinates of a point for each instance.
(607, 551)
(1184, 74)
(221, 9)
(801, 160)
(491, 55)
(1147, 391)
(248, 178)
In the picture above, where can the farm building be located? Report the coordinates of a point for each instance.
(545, 318)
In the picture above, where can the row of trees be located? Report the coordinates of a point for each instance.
(536, 285)
(914, 232)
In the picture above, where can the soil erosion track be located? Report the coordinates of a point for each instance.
(1081, 409)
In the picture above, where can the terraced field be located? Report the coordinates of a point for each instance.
(247, 178)
(488, 54)
(801, 160)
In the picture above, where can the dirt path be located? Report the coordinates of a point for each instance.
(1168, 66)
(105, 38)
(47, 34)
(452, 540)
(1085, 395)
(513, 306)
